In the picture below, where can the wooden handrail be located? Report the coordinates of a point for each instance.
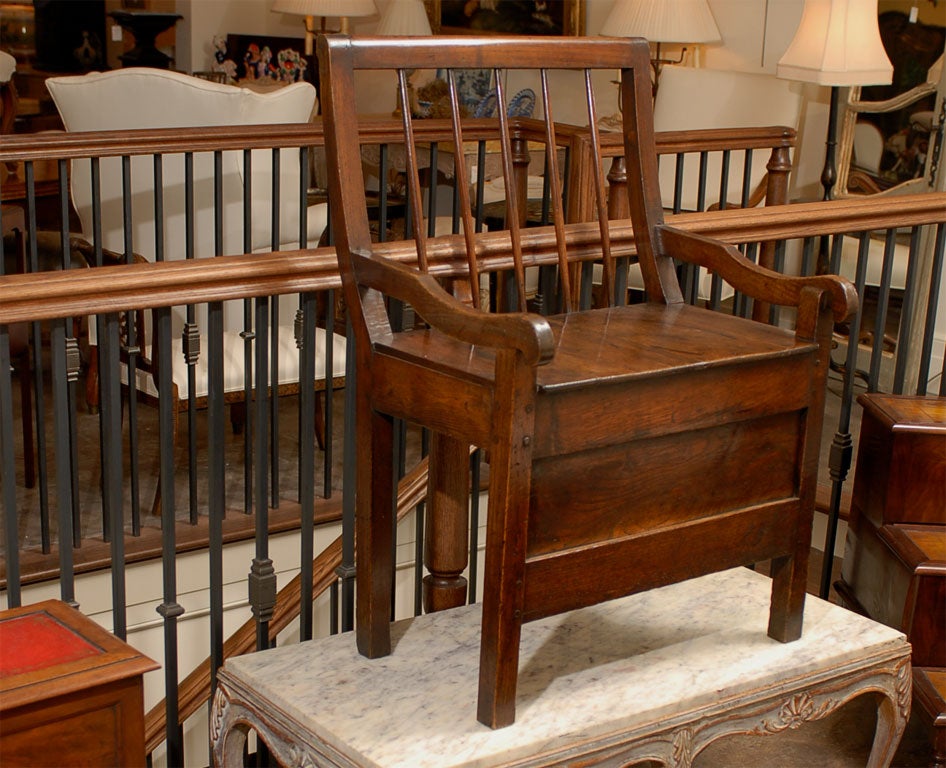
(82, 144)
(111, 289)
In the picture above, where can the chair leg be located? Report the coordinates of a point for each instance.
(789, 582)
(506, 536)
(445, 542)
(374, 527)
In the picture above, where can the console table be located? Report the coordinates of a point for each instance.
(655, 675)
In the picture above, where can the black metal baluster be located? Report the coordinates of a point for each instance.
(169, 609)
(476, 463)
(329, 420)
(132, 349)
(880, 319)
(910, 292)
(11, 537)
(746, 179)
(36, 342)
(262, 576)
(936, 278)
(808, 257)
(64, 499)
(419, 515)
(307, 350)
(346, 570)
(274, 348)
(73, 363)
(112, 465)
(216, 471)
(247, 334)
(110, 507)
(839, 458)
(480, 182)
(305, 340)
(190, 344)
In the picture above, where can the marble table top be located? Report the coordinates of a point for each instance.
(633, 663)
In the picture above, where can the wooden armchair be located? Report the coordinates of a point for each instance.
(629, 446)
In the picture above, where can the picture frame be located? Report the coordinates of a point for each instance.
(506, 17)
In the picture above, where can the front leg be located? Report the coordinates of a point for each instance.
(374, 527)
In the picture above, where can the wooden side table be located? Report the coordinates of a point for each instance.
(69, 691)
(657, 675)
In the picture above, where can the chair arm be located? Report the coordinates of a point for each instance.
(529, 333)
(749, 278)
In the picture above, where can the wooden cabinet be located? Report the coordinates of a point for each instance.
(70, 692)
(901, 464)
(894, 567)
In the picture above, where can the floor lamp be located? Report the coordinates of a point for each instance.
(662, 21)
(837, 43)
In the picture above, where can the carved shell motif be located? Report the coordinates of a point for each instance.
(797, 710)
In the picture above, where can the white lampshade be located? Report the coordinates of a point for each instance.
(662, 21)
(340, 8)
(837, 43)
(404, 17)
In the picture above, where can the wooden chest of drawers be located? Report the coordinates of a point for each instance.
(70, 692)
(894, 567)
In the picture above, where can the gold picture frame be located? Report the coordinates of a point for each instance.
(511, 17)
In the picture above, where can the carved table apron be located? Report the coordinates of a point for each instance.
(656, 675)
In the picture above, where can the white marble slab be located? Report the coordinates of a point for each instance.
(635, 663)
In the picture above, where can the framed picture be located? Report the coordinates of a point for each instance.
(506, 17)
(262, 58)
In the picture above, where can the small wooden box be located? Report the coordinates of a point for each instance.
(70, 692)
(900, 475)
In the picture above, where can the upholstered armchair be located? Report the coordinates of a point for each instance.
(137, 98)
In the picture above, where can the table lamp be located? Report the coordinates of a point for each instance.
(405, 18)
(662, 21)
(343, 9)
(837, 43)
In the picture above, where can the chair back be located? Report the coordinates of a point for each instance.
(571, 74)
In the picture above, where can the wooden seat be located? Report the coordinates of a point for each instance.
(629, 446)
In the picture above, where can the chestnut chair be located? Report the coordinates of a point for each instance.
(629, 446)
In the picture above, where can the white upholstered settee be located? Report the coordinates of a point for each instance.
(152, 98)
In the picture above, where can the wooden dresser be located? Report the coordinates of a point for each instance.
(70, 692)
(894, 567)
